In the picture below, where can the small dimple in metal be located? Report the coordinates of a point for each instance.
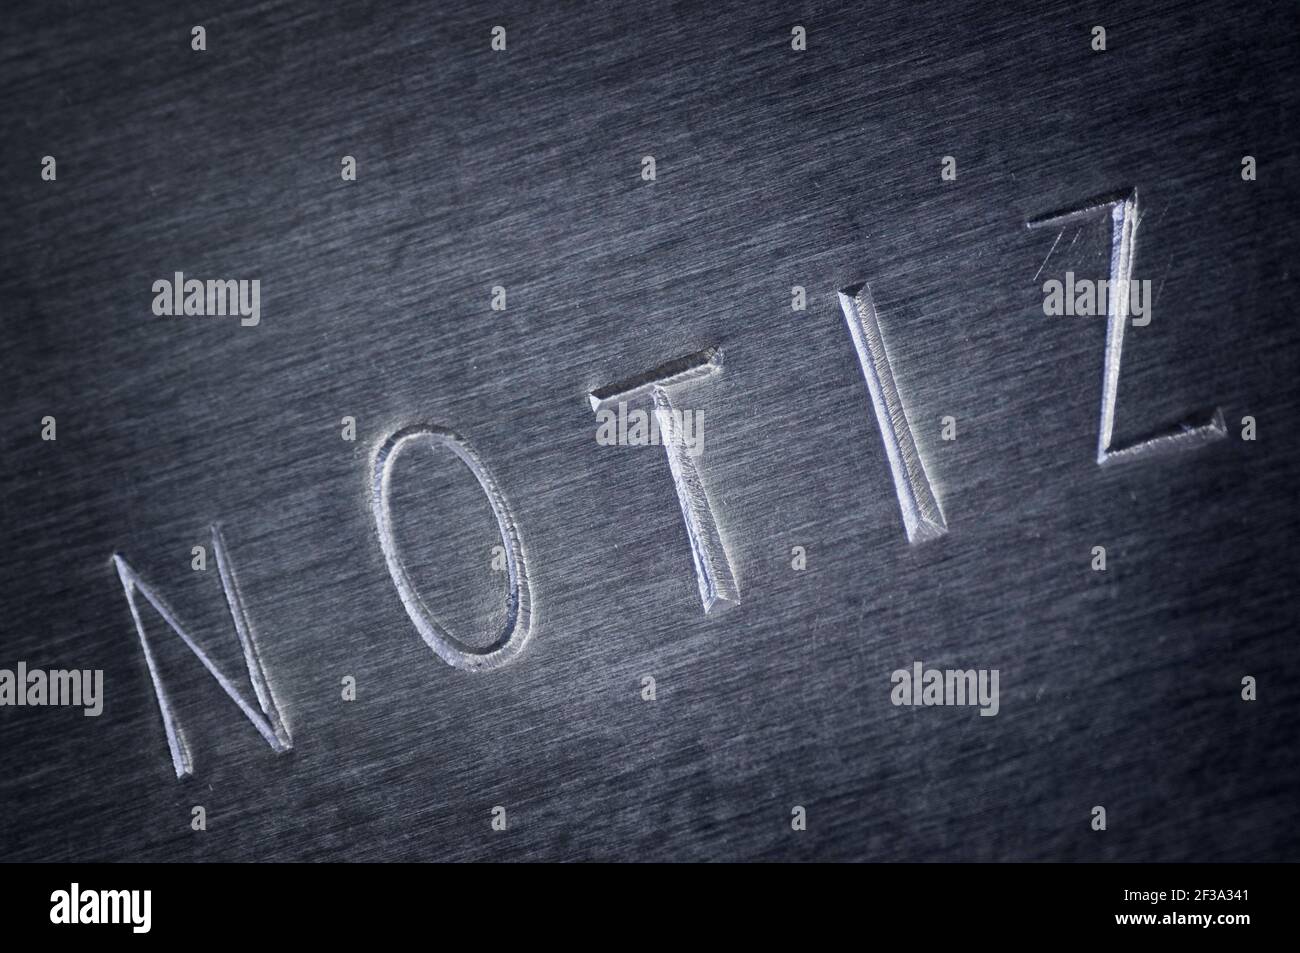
(713, 574)
(922, 517)
(679, 370)
(1123, 210)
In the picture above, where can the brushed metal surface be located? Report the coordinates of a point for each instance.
(522, 169)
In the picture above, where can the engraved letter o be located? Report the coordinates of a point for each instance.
(519, 616)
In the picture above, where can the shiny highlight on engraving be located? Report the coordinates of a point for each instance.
(717, 585)
(922, 517)
(669, 374)
(514, 635)
(1123, 209)
(267, 722)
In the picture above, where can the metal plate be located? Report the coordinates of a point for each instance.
(774, 168)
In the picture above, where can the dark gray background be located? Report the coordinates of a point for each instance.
(774, 168)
